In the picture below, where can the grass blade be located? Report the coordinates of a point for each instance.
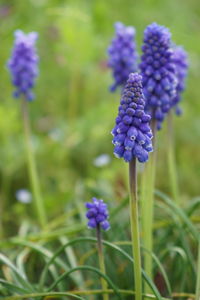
(198, 275)
(179, 212)
(36, 295)
(12, 287)
(22, 280)
(112, 246)
(65, 274)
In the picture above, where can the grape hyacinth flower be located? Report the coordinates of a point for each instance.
(132, 132)
(132, 140)
(97, 214)
(122, 54)
(180, 60)
(158, 72)
(23, 64)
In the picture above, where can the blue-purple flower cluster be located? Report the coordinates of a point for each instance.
(122, 55)
(97, 214)
(132, 133)
(158, 71)
(23, 64)
(180, 60)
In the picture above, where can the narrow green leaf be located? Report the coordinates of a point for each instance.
(48, 254)
(93, 240)
(193, 205)
(65, 274)
(198, 274)
(162, 270)
(179, 212)
(70, 254)
(35, 295)
(12, 287)
(22, 280)
(21, 257)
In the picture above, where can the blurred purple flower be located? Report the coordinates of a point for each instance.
(158, 71)
(23, 64)
(5, 10)
(122, 54)
(180, 60)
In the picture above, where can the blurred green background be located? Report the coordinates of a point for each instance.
(74, 111)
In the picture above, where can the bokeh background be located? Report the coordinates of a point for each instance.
(74, 111)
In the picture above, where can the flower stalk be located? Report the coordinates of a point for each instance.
(147, 195)
(171, 159)
(134, 220)
(197, 296)
(32, 165)
(101, 261)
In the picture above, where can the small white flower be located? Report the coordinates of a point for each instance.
(56, 134)
(101, 160)
(23, 196)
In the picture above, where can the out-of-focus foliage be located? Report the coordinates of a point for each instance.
(74, 110)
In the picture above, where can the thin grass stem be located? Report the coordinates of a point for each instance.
(197, 296)
(32, 166)
(173, 178)
(90, 292)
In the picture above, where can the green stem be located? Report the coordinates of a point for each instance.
(32, 166)
(147, 217)
(3, 200)
(173, 179)
(148, 185)
(101, 262)
(198, 275)
(134, 220)
(91, 292)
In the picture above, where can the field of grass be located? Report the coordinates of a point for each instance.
(71, 120)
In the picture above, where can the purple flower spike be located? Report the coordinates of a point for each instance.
(180, 60)
(158, 71)
(97, 214)
(122, 54)
(132, 134)
(23, 64)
